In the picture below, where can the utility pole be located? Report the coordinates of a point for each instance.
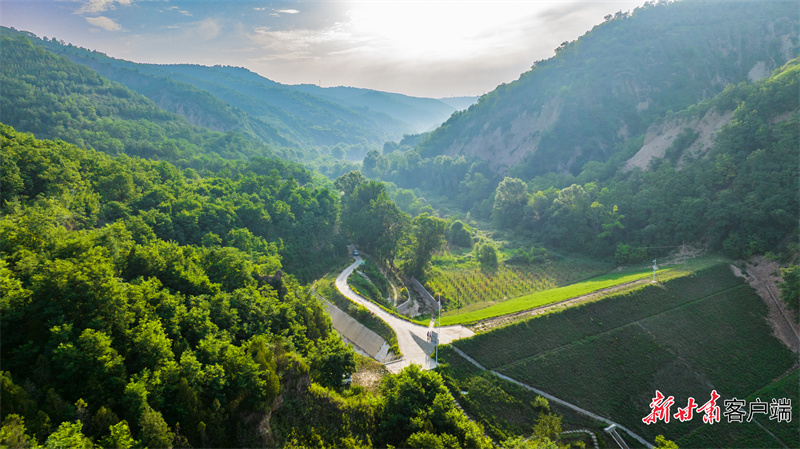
(683, 252)
(439, 331)
(655, 267)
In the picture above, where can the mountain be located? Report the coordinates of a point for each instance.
(419, 113)
(460, 103)
(54, 98)
(611, 84)
(225, 98)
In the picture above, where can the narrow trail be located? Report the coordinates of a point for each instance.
(411, 337)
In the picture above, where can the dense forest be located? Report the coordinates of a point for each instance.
(55, 98)
(148, 306)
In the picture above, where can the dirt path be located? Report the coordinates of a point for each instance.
(492, 323)
(762, 275)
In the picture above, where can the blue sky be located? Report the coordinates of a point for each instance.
(422, 48)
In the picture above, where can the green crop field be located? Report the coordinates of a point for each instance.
(551, 331)
(554, 295)
(505, 409)
(744, 435)
(466, 284)
(685, 338)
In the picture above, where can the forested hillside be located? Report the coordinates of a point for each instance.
(721, 172)
(145, 306)
(306, 119)
(160, 241)
(740, 197)
(55, 98)
(612, 83)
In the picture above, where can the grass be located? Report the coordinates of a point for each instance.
(691, 335)
(377, 278)
(542, 298)
(363, 287)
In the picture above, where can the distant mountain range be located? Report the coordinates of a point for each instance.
(302, 117)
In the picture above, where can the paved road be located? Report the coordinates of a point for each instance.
(411, 338)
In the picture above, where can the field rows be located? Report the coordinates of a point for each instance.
(463, 286)
(696, 334)
(541, 298)
(553, 330)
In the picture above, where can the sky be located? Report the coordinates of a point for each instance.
(421, 48)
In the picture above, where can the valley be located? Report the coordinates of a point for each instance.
(601, 252)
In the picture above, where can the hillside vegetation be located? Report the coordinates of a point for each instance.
(685, 338)
(613, 82)
(55, 98)
(303, 121)
(159, 239)
(145, 306)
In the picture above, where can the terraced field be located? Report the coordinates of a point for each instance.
(686, 337)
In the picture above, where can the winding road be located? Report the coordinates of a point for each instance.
(411, 338)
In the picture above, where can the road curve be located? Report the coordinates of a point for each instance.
(411, 338)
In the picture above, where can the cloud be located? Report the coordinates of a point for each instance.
(175, 8)
(97, 6)
(104, 23)
(208, 28)
(279, 12)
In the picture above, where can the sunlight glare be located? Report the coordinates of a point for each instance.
(440, 30)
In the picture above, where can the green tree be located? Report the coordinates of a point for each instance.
(331, 360)
(349, 182)
(427, 235)
(790, 287)
(14, 435)
(90, 367)
(119, 437)
(510, 199)
(416, 402)
(458, 234)
(424, 440)
(373, 221)
(486, 255)
(154, 430)
(69, 436)
(548, 427)
(663, 443)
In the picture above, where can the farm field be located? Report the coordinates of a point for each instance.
(482, 311)
(739, 435)
(467, 284)
(504, 408)
(686, 338)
